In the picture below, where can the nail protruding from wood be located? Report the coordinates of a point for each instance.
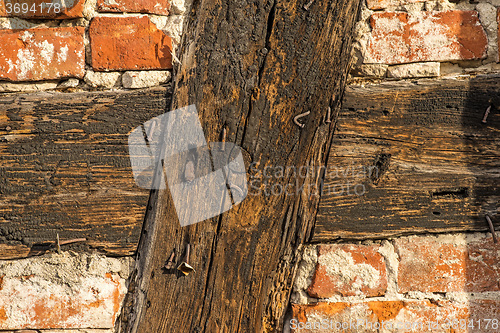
(486, 114)
(492, 229)
(75, 240)
(306, 6)
(296, 119)
(485, 117)
(328, 116)
(58, 244)
(185, 267)
(171, 261)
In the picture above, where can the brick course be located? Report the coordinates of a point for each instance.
(397, 316)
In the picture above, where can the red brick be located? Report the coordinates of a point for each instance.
(35, 11)
(348, 270)
(391, 315)
(428, 264)
(399, 37)
(42, 54)
(381, 4)
(160, 7)
(128, 43)
(482, 265)
(92, 302)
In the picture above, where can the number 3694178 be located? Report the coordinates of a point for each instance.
(25, 8)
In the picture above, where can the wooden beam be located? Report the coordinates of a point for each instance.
(64, 169)
(417, 157)
(249, 66)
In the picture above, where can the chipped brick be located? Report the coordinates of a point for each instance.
(436, 264)
(128, 43)
(399, 37)
(41, 54)
(348, 270)
(428, 264)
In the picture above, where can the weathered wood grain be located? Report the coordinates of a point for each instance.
(438, 165)
(251, 67)
(65, 169)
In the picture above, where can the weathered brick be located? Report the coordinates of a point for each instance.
(63, 291)
(38, 9)
(400, 37)
(379, 316)
(444, 264)
(428, 264)
(42, 54)
(381, 4)
(44, 304)
(128, 43)
(160, 7)
(482, 265)
(348, 270)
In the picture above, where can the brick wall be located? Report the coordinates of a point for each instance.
(88, 44)
(445, 283)
(424, 280)
(399, 39)
(428, 283)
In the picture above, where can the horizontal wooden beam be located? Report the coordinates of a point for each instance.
(65, 169)
(413, 158)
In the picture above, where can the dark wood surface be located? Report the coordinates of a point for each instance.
(438, 164)
(65, 169)
(249, 66)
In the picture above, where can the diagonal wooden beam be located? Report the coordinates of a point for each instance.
(249, 67)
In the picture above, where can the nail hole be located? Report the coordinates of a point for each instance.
(436, 213)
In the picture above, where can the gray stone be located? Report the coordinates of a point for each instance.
(420, 69)
(102, 79)
(144, 79)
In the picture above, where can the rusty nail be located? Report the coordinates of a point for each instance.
(492, 229)
(296, 119)
(306, 7)
(170, 262)
(185, 267)
(69, 241)
(328, 115)
(58, 244)
(486, 114)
